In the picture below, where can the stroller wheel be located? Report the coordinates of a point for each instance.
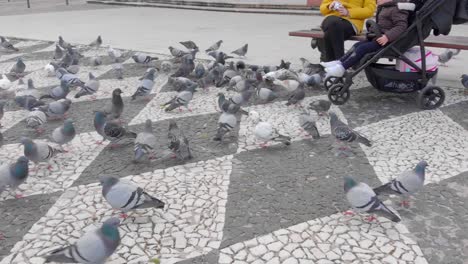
(430, 97)
(331, 80)
(338, 94)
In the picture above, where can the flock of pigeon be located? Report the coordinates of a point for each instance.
(265, 83)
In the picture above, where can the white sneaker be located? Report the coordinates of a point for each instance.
(330, 63)
(335, 71)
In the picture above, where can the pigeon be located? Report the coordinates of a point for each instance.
(118, 70)
(110, 130)
(245, 85)
(50, 69)
(455, 51)
(38, 151)
(57, 109)
(186, 67)
(307, 123)
(219, 56)
(407, 183)
(177, 52)
(58, 53)
(143, 58)
(178, 143)
(71, 79)
(464, 80)
(344, 133)
(146, 85)
(96, 43)
(310, 68)
(226, 123)
(95, 246)
(7, 45)
(363, 199)
(181, 83)
(145, 142)
(234, 81)
(5, 83)
(18, 68)
(28, 102)
(13, 175)
(66, 61)
(297, 96)
(96, 60)
(199, 71)
(124, 195)
(284, 65)
(58, 92)
(241, 98)
(117, 105)
(90, 87)
(214, 46)
(265, 132)
(36, 120)
(189, 44)
(64, 133)
(320, 106)
(183, 98)
(241, 51)
(166, 67)
(310, 80)
(62, 43)
(228, 106)
(266, 95)
(113, 53)
(445, 56)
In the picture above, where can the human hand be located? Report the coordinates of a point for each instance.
(343, 11)
(383, 40)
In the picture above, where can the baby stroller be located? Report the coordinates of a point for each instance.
(437, 15)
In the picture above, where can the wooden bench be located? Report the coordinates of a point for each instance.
(441, 41)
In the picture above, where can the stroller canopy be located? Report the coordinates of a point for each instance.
(445, 14)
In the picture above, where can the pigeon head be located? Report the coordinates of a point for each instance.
(2, 39)
(110, 229)
(68, 125)
(28, 145)
(421, 168)
(148, 123)
(117, 92)
(19, 169)
(166, 66)
(20, 81)
(464, 76)
(30, 84)
(91, 76)
(333, 116)
(66, 102)
(19, 60)
(254, 116)
(107, 181)
(240, 65)
(349, 183)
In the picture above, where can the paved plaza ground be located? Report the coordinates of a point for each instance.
(234, 202)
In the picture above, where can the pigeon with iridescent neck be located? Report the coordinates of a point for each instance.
(14, 174)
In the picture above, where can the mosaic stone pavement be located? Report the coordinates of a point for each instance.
(236, 202)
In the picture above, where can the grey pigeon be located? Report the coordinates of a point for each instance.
(145, 142)
(344, 133)
(310, 68)
(36, 120)
(38, 151)
(177, 52)
(64, 133)
(110, 130)
(284, 65)
(464, 80)
(96, 60)
(363, 199)
(124, 195)
(181, 83)
(178, 143)
(219, 56)
(73, 69)
(244, 85)
(407, 183)
(320, 106)
(71, 79)
(28, 102)
(66, 61)
(445, 56)
(117, 104)
(189, 44)
(118, 70)
(114, 54)
(186, 67)
(226, 123)
(13, 175)
(228, 106)
(58, 53)
(146, 85)
(58, 92)
(62, 43)
(308, 124)
(143, 58)
(96, 43)
(297, 95)
(93, 247)
(166, 67)
(266, 95)
(199, 71)
(183, 98)
(7, 45)
(241, 51)
(90, 87)
(241, 98)
(18, 68)
(214, 46)
(57, 109)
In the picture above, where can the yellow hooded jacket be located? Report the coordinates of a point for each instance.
(359, 11)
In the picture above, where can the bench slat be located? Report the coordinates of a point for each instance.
(449, 42)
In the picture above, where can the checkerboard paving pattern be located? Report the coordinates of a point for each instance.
(236, 202)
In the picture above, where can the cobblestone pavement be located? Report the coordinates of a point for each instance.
(236, 202)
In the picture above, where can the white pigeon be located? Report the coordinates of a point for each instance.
(265, 132)
(5, 83)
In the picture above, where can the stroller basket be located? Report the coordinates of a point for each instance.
(385, 78)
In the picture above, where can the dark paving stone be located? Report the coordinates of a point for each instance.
(18, 215)
(210, 258)
(82, 114)
(282, 186)
(438, 219)
(368, 105)
(457, 112)
(198, 129)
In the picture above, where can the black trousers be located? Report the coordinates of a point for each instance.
(336, 30)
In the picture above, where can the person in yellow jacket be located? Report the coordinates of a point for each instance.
(344, 18)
